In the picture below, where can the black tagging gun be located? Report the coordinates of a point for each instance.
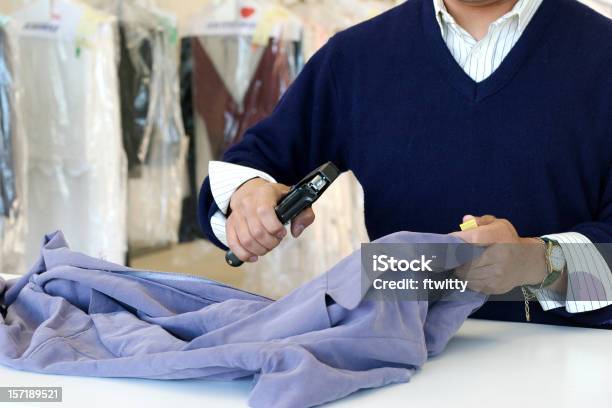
(300, 197)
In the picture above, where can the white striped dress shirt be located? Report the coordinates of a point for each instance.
(589, 276)
(479, 59)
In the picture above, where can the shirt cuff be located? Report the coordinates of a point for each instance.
(589, 278)
(217, 222)
(225, 178)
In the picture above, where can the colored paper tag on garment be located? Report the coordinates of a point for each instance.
(86, 29)
(247, 12)
(168, 23)
(170, 29)
(88, 23)
(471, 224)
(269, 23)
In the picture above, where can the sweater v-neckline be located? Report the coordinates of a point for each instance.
(459, 79)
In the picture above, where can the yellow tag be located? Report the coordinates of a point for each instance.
(267, 23)
(87, 27)
(471, 224)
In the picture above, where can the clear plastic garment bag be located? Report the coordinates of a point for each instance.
(237, 78)
(12, 157)
(76, 167)
(153, 133)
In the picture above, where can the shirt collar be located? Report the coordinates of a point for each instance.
(523, 10)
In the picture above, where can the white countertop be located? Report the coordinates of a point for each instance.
(487, 364)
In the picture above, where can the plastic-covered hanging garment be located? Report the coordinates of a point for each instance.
(7, 174)
(239, 57)
(156, 182)
(76, 166)
(235, 85)
(153, 132)
(12, 160)
(135, 71)
(189, 228)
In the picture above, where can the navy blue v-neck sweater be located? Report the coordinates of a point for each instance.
(532, 143)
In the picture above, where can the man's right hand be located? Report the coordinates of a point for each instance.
(252, 228)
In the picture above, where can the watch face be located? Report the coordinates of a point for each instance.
(557, 258)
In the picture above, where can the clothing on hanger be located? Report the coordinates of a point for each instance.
(230, 80)
(153, 134)
(8, 193)
(237, 85)
(245, 55)
(321, 343)
(135, 71)
(189, 227)
(76, 167)
(12, 159)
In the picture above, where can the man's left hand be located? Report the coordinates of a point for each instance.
(509, 260)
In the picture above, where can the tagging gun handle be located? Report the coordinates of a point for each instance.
(301, 196)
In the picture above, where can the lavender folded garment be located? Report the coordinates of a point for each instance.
(77, 315)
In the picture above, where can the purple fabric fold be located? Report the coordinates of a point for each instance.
(76, 315)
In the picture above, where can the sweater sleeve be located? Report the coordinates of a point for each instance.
(589, 300)
(600, 230)
(301, 134)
